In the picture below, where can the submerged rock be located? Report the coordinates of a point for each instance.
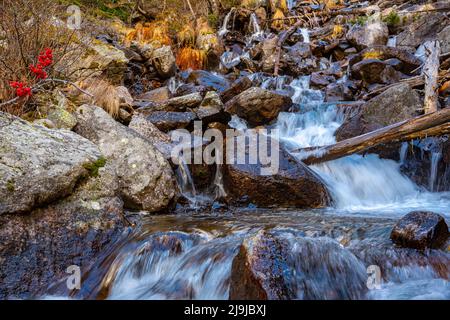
(39, 165)
(258, 106)
(146, 179)
(420, 230)
(292, 183)
(259, 270)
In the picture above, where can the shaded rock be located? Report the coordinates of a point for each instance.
(37, 248)
(444, 38)
(258, 106)
(208, 80)
(290, 184)
(393, 105)
(148, 130)
(320, 79)
(164, 62)
(71, 231)
(259, 270)
(236, 88)
(102, 60)
(369, 35)
(420, 230)
(39, 165)
(62, 118)
(409, 61)
(340, 91)
(375, 71)
(183, 102)
(188, 88)
(146, 179)
(156, 95)
(167, 121)
(425, 28)
(211, 109)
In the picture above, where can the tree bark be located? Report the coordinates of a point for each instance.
(431, 71)
(432, 124)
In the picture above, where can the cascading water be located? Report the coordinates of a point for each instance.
(435, 158)
(305, 35)
(224, 29)
(256, 29)
(357, 183)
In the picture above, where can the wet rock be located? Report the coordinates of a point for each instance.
(420, 230)
(37, 248)
(156, 95)
(208, 80)
(425, 28)
(393, 105)
(371, 34)
(342, 91)
(289, 184)
(320, 79)
(259, 270)
(211, 109)
(258, 106)
(409, 62)
(39, 165)
(188, 88)
(146, 179)
(167, 121)
(236, 88)
(375, 71)
(164, 62)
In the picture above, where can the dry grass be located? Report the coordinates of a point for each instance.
(189, 58)
(278, 24)
(157, 31)
(186, 37)
(338, 31)
(26, 28)
(372, 55)
(106, 95)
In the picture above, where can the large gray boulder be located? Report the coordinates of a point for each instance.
(368, 35)
(37, 248)
(393, 105)
(145, 178)
(39, 165)
(258, 106)
(425, 28)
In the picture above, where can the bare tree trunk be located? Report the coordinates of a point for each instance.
(431, 71)
(432, 124)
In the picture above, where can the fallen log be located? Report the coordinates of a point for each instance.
(431, 124)
(430, 72)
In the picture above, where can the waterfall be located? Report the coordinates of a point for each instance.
(186, 183)
(435, 158)
(218, 183)
(357, 183)
(403, 152)
(392, 41)
(305, 35)
(224, 29)
(255, 24)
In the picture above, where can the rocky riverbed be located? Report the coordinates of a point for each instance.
(101, 190)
